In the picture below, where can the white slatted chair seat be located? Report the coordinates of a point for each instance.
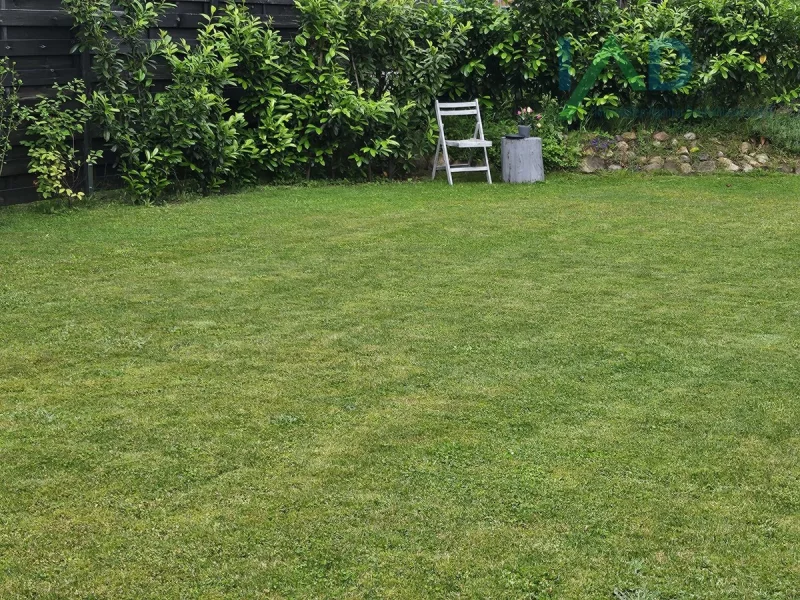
(458, 109)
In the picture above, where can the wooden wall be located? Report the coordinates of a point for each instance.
(37, 35)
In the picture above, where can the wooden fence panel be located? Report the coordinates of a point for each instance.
(37, 35)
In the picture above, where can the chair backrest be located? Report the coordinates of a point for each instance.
(455, 109)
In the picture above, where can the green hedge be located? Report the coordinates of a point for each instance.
(351, 95)
(746, 54)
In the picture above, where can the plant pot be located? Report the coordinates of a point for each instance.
(524, 130)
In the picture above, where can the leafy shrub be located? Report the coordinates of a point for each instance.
(557, 152)
(352, 90)
(201, 126)
(352, 93)
(336, 121)
(161, 138)
(54, 124)
(404, 50)
(503, 61)
(782, 129)
(744, 54)
(261, 72)
(128, 111)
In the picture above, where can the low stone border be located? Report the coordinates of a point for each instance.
(681, 155)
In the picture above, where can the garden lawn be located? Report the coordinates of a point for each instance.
(582, 389)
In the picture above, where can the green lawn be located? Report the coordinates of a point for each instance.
(583, 389)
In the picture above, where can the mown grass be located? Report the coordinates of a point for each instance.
(583, 389)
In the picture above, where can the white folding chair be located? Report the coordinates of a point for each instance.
(456, 109)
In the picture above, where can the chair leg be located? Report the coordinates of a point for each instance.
(436, 159)
(447, 164)
(488, 168)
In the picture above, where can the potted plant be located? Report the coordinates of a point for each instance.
(527, 118)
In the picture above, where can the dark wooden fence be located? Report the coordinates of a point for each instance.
(37, 35)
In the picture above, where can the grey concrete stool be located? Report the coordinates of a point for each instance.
(522, 160)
